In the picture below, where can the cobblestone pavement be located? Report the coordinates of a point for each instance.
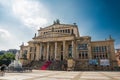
(62, 75)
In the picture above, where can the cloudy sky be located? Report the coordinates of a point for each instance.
(20, 19)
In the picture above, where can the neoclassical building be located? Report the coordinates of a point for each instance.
(61, 41)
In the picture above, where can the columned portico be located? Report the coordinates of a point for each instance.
(50, 51)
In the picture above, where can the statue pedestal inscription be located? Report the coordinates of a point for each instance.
(70, 64)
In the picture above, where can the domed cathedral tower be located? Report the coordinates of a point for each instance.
(62, 41)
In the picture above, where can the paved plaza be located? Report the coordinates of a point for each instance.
(62, 75)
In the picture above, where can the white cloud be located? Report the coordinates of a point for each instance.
(31, 13)
(5, 2)
(4, 34)
(5, 37)
(8, 40)
(117, 46)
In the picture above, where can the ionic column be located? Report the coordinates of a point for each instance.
(55, 50)
(89, 51)
(37, 52)
(73, 52)
(47, 51)
(64, 51)
(40, 50)
(77, 53)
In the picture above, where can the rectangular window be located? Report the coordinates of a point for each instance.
(103, 56)
(25, 51)
(66, 31)
(86, 54)
(105, 48)
(102, 49)
(79, 55)
(83, 55)
(97, 49)
(94, 49)
(106, 56)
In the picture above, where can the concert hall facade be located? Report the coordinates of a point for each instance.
(63, 41)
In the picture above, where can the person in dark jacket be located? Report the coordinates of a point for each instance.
(3, 70)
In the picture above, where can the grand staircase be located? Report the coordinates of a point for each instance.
(46, 65)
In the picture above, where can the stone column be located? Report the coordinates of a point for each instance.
(75, 46)
(40, 50)
(73, 50)
(28, 54)
(37, 52)
(52, 51)
(64, 50)
(89, 51)
(67, 51)
(55, 51)
(77, 51)
(47, 51)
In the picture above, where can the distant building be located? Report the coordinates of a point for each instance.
(118, 56)
(62, 41)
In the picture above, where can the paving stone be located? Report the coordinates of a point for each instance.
(62, 75)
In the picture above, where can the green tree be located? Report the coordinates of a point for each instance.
(9, 56)
(6, 58)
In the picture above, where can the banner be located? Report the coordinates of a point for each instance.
(82, 46)
(93, 62)
(104, 62)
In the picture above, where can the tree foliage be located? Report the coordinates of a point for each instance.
(6, 58)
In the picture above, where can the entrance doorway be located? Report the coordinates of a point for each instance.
(61, 56)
